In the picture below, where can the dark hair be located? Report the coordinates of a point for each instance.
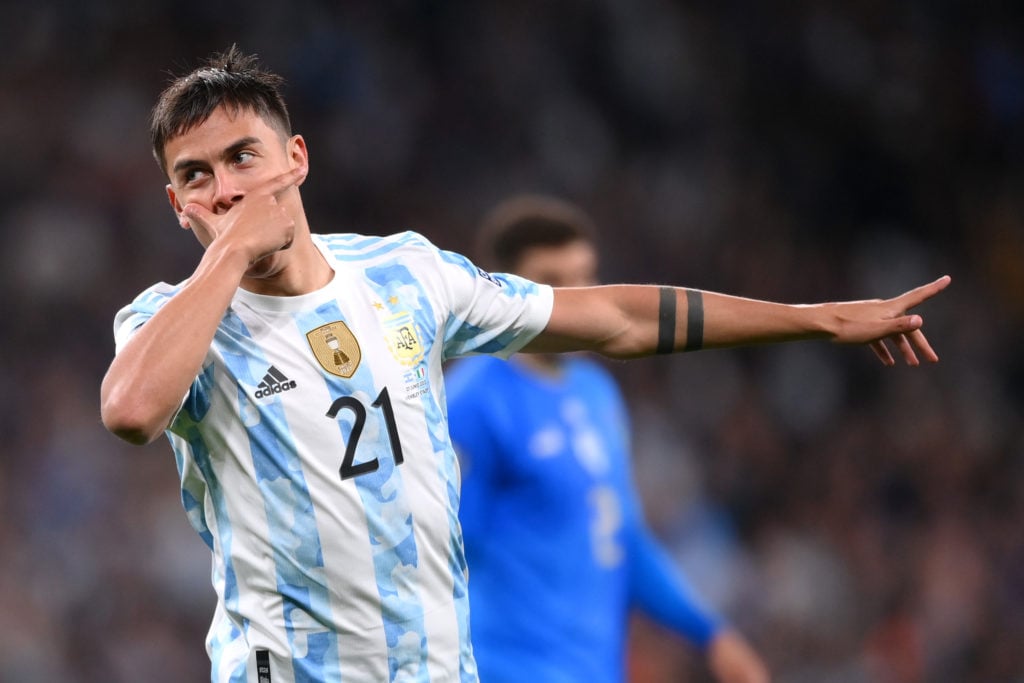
(526, 221)
(231, 79)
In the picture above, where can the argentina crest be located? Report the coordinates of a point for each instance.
(403, 338)
(335, 348)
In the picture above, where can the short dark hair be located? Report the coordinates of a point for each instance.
(525, 221)
(230, 78)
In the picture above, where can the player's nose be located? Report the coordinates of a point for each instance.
(227, 192)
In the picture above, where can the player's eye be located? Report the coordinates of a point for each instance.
(244, 157)
(192, 175)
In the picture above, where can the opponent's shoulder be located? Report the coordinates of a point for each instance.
(594, 373)
(479, 394)
(472, 371)
(588, 365)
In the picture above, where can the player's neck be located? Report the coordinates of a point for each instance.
(550, 364)
(298, 270)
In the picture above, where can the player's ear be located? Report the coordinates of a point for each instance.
(298, 154)
(172, 197)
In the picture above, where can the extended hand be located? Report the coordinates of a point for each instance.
(878, 321)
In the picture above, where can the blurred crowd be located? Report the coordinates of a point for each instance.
(858, 523)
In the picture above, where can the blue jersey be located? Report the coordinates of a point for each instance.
(315, 462)
(557, 549)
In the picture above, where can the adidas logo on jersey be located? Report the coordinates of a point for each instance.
(274, 382)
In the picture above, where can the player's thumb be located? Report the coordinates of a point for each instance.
(883, 329)
(909, 322)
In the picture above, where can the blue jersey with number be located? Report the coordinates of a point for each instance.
(555, 541)
(315, 462)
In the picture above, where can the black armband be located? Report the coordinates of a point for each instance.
(694, 320)
(666, 320)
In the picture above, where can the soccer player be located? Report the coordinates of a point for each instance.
(554, 534)
(298, 377)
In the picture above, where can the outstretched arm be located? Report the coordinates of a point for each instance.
(628, 321)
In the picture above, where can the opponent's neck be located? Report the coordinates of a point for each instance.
(550, 364)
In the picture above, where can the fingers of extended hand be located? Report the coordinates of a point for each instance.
(921, 294)
(905, 349)
(882, 351)
(913, 346)
(920, 342)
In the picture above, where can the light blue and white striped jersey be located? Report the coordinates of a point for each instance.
(315, 462)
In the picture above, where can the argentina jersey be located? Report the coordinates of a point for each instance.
(315, 462)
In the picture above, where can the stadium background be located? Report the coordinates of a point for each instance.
(859, 523)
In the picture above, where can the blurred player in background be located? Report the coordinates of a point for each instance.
(558, 550)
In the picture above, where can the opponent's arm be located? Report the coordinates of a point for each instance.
(661, 591)
(627, 321)
(148, 378)
(732, 659)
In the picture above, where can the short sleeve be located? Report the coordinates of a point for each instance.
(491, 313)
(129, 319)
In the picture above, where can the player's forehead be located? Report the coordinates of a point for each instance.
(218, 131)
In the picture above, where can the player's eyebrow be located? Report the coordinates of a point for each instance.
(229, 151)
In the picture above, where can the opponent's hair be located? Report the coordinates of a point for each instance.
(232, 79)
(526, 221)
